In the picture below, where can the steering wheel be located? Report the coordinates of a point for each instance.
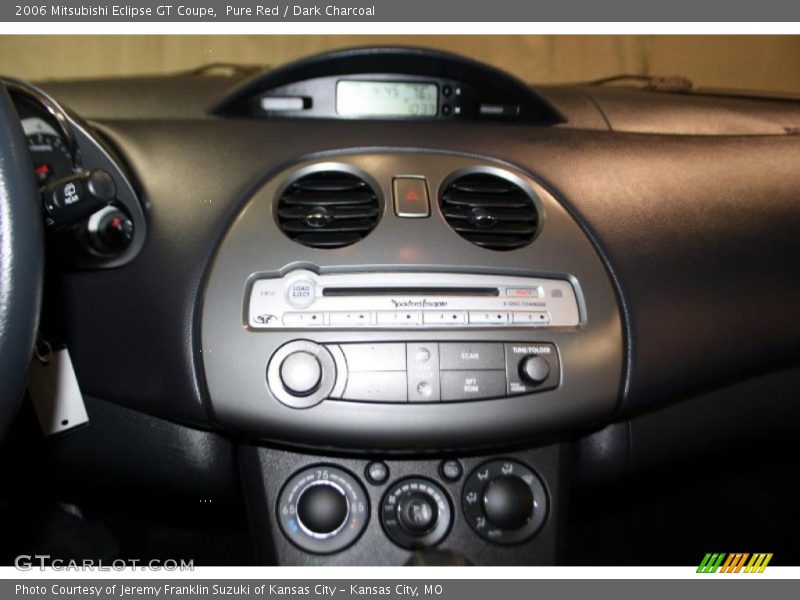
(21, 260)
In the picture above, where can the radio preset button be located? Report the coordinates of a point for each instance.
(482, 318)
(444, 317)
(472, 385)
(396, 317)
(462, 356)
(355, 318)
(531, 318)
(304, 319)
(301, 293)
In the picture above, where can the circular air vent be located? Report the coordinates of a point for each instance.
(328, 209)
(490, 211)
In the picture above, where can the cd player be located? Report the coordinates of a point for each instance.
(303, 299)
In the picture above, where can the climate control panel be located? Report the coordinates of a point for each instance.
(327, 508)
(302, 373)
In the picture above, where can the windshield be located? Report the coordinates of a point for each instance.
(754, 63)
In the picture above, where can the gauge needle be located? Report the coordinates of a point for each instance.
(43, 169)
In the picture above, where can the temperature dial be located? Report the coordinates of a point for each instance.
(322, 509)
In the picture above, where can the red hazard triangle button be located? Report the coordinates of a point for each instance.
(411, 197)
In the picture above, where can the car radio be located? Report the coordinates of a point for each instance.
(332, 319)
(303, 299)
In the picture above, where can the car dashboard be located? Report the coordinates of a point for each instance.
(404, 305)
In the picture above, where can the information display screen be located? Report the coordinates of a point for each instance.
(386, 99)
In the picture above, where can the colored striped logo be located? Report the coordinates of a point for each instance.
(734, 563)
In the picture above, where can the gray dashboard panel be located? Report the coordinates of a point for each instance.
(235, 358)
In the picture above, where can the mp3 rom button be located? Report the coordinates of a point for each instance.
(472, 385)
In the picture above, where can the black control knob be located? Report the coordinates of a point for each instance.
(110, 231)
(504, 501)
(508, 502)
(417, 513)
(301, 373)
(534, 369)
(322, 508)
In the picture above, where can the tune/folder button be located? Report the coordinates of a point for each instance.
(534, 369)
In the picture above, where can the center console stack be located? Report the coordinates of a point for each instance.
(401, 334)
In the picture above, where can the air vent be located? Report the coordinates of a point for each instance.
(490, 211)
(328, 209)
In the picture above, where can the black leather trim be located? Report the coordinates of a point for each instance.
(21, 259)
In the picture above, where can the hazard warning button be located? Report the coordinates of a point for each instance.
(411, 197)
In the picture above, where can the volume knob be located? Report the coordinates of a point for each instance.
(301, 373)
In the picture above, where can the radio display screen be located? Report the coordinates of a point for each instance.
(386, 99)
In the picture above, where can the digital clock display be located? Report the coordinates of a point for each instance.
(386, 99)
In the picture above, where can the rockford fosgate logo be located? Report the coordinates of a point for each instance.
(424, 303)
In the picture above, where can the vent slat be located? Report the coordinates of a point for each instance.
(328, 209)
(341, 213)
(483, 185)
(490, 211)
(502, 216)
(335, 227)
(330, 185)
(520, 229)
(486, 201)
(334, 198)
